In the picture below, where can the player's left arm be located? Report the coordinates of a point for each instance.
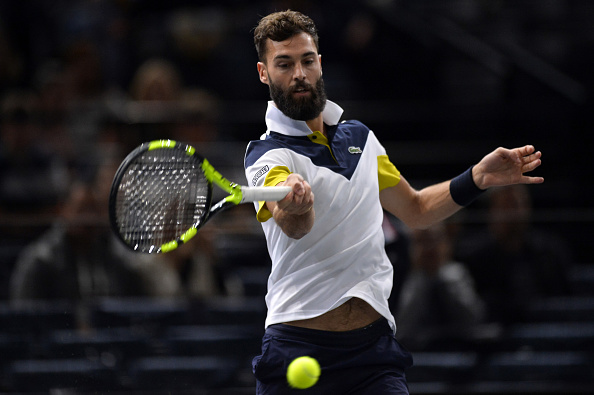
(419, 208)
(422, 208)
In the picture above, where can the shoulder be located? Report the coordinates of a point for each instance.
(270, 144)
(259, 147)
(355, 129)
(43, 255)
(353, 126)
(453, 271)
(353, 123)
(358, 134)
(46, 246)
(256, 149)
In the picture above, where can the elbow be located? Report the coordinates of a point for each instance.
(299, 232)
(297, 226)
(417, 219)
(296, 235)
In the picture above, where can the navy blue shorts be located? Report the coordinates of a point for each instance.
(363, 361)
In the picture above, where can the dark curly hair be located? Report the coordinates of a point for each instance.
(280, 26)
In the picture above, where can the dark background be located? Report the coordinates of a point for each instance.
(440, 82)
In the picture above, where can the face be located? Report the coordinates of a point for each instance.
(509, 212)
(429, 248)
(293, 71)
(85, 215)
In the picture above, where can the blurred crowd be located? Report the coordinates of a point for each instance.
(459, 287)
(83, 82)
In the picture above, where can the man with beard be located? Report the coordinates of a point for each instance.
(330, 279)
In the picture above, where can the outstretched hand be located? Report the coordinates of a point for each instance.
(507, 166)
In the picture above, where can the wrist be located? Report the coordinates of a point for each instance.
(477, 177)
(463, 188)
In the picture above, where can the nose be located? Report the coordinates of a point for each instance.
(299, 73)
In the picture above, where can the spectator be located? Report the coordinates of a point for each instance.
(78, 258)
(187, 272)
(439, 303)
(162, 100)
(156, 80)
(514, 263)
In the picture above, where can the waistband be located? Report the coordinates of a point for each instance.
(381, 327)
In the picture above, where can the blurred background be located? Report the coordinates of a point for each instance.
(498, 300)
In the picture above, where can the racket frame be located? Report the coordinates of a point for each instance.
(237, 194)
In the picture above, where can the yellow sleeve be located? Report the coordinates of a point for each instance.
(275, 176)
(387, 174)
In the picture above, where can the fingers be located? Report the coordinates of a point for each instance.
(532, 180)
(530, 160)
(299, 189)
(508, 166)
(300, 200)
(530, 163)
(526, 150)
(303, 198)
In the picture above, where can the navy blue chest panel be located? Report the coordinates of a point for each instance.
(347, 141)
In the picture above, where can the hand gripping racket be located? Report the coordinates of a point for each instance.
(162, 194)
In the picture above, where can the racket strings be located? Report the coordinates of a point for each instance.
(162, 194)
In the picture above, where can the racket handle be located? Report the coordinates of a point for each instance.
(267, 194)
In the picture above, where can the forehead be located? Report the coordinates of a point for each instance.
(295, 46)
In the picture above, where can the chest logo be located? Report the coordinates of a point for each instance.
(355, 150)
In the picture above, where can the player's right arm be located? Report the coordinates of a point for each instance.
(295, 214)
(267, 165)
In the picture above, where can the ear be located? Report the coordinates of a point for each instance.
(320, 60)
(263, 72)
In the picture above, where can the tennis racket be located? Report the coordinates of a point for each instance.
(162, 194)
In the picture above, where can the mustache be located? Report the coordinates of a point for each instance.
(301, 85)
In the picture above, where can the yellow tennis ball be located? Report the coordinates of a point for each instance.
(303, 372)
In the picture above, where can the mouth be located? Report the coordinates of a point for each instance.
(301, 91)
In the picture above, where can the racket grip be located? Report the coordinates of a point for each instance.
(267, 194)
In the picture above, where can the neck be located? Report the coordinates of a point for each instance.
(317, 125)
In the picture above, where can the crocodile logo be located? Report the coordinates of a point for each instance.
(355, 150)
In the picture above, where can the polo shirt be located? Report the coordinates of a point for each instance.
(343, 255)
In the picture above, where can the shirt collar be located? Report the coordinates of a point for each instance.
(278, 122)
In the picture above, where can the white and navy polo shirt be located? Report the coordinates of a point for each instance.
(343, 255)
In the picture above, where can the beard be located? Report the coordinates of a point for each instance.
(302, 108)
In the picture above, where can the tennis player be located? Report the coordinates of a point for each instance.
(330, 279)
